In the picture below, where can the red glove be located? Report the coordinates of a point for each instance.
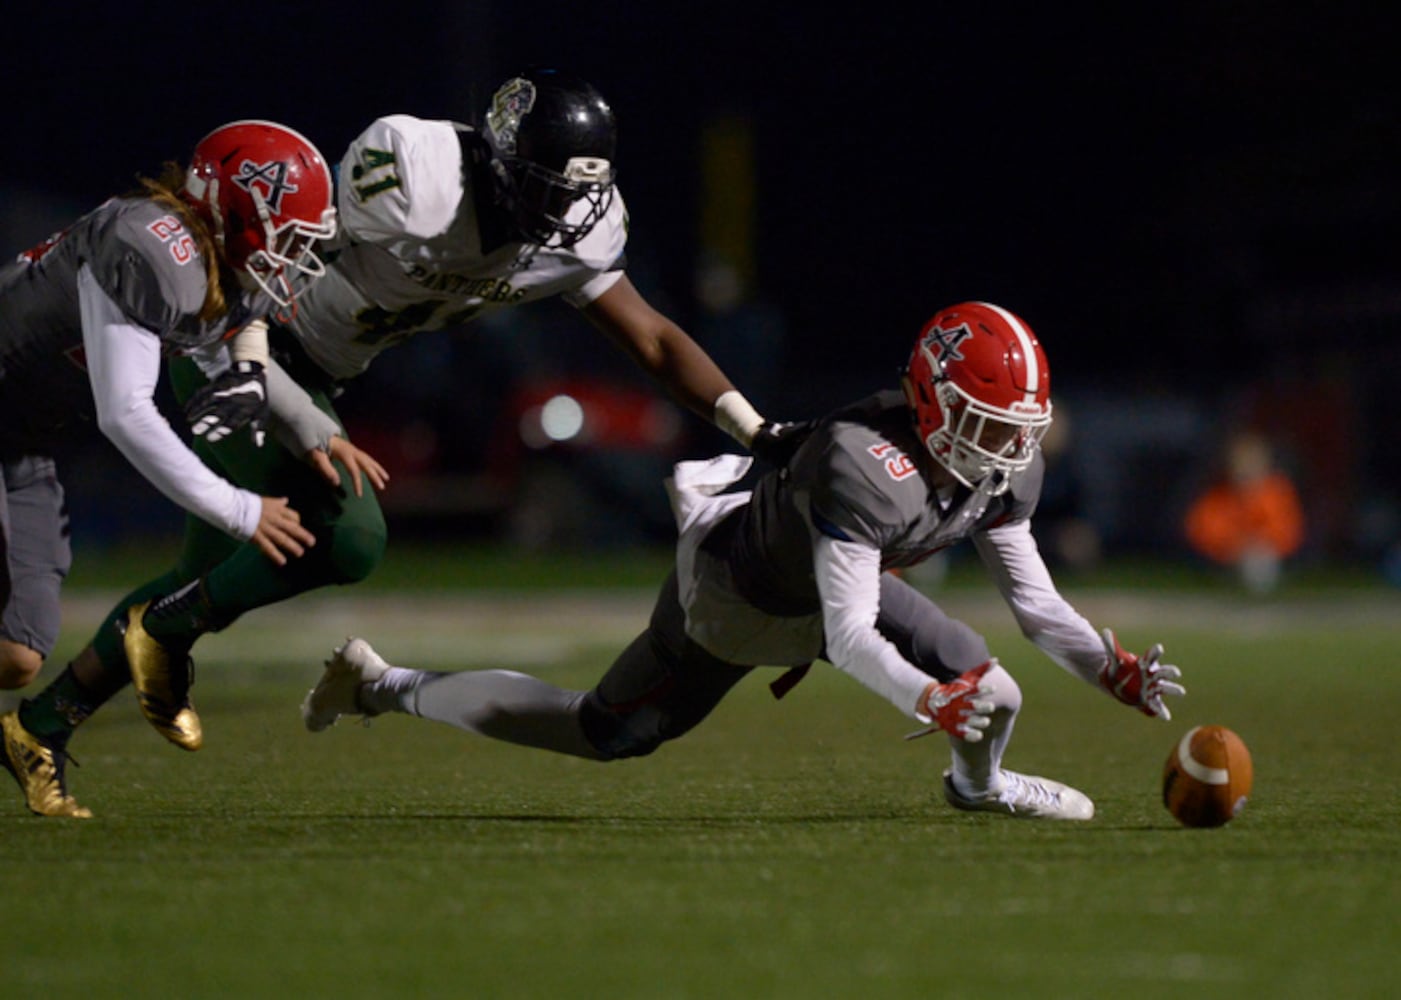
(1139, 681)
(955, 708)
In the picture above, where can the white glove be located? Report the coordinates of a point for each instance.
(1139, 681)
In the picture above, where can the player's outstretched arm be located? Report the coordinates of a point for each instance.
(670, 356)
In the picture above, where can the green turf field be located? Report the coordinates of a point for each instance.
(793, 849)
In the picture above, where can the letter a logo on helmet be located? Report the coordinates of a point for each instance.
(271, 176)
(947, 342)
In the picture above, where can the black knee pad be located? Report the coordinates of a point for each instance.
(615, 734)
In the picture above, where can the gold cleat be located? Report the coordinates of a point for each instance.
(162, 687)
(39, 771)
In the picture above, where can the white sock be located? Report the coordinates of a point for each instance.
(394, 692)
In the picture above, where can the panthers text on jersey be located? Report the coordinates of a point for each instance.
(412, 254)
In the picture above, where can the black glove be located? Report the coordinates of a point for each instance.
(776, 443)
(239, 396)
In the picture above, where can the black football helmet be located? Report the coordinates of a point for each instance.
(552, 138)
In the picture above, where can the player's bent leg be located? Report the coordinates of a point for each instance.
(659, 688)
(351, 537)
(977, 781)
(656, 705)
(976, 765)
(19, 665)
(938, 644)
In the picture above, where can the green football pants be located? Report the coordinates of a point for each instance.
(350, 531)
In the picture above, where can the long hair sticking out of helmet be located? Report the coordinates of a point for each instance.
(166, 189)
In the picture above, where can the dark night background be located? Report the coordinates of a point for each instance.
(1197, 208)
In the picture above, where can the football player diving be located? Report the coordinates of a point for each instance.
(439, 223)
(794, 571)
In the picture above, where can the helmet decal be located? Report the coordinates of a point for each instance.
(947, 340)
(511, 102)
(272, 176)
(552, 139)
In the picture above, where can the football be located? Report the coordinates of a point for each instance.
(1207, 778)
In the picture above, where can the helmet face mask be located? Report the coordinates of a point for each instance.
(267, 193)
(552, 140)
(979, 389)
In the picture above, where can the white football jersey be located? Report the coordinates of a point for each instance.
(409, 256)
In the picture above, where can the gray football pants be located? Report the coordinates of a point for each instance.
(35, 554)
(663, 684)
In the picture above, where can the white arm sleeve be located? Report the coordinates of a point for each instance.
(848, 581)
(297, 421)
(124, 364)
(1045, 617)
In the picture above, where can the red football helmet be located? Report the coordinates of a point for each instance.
(267, 193)
(980, 390)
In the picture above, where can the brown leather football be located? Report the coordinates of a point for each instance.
(1207, 778)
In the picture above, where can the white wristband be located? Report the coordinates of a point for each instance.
(250, 343)
(736, 417)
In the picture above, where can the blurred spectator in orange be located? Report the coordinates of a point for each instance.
(1251, 519)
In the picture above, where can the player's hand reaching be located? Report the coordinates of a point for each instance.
(1139, 681)
(280, 533)
(357, 464)
(776, 443)
(955, 707)
(237, 397)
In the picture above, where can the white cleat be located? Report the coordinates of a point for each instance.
(1026, 797)
(338, 692)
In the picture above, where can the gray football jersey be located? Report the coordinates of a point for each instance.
(145, 260)
(858, 477)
